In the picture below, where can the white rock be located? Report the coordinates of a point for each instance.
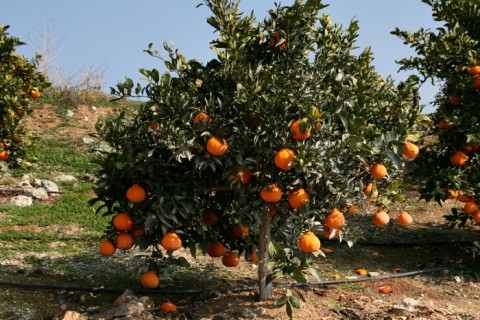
(26, 177)
(87, 140)
(50, 186)
(410, 302)
(65, 178)
(73, 315)
(69, 113)
(40, 194)
(22, 201)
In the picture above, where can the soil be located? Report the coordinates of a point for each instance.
(450, 291)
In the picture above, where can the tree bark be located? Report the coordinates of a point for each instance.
(265, 290)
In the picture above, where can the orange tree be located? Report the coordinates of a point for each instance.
(451, 55)
(249, 152)
(19, 84)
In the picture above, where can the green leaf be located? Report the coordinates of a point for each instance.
(314, 273)
(279, 302)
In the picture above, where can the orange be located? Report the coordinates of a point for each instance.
(454, 99)
(167, 307)
(296, 131)
(271, 193)
(201, 119)
(171, 241)
(385, 289)
(444, 124)
(284, 159)
(136, 194)
(298, 198)
(230, 259)
(404, 219)
(124, 240)
(465, 198)
(309, 242)
(335, 220)
(275, 38)
(471, 207)
(361, 272)
(370, 192)
(216, 250)
(473, 70)
(4, 156)
(328, 233)
(217, 147)
(272, 211)
(244, 176)
(453, 194)
(138, 232)
(239, 230)
(476, 218)
(154, 125)
(458, 158)
(410, 150)
(476, 83)
(209, 218)
(107, 248)
(253, 256)
(35, 93)
(122, 222)
(150, 280)
(378, 171)
(381, 218)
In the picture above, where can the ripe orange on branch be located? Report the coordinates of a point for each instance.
(209, 218)
(405, 219)
(107, 248)
(378, 171)
(271, 193)
(410, 150)
(201, 119)
(296, 131)
(239, 230)
(298, 198)
(34, 93)
(244, 176)
(150, 280)
(284, 159)
(124, 240)
(458, 158)
(381, 218)
(471, 207)
(217, 147)
(171, 241)
(136, 194)
(335, 219)
(122, 222)
(309, 242)
(230, 259)
(216, 250)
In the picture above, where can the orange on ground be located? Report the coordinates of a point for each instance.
(217, 147)
(361, 272)
(171, 241)
(378, 171)
(124, 240)
(298, 198)
(107, 248)
(381, 218)
(167, 307)
(122, 222)
(284, 159)
(458, 158)
(239, 230)
(385, 289)
(136, 193)
(150, 280)
(296, 131)
(244, 176)
(209, 218)
(230, 259)
(410, 150)
(404, 219)
(335, 219)
(271, 193)
(309, 242)
(471, 207)
(216, 250)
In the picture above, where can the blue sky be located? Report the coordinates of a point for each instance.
(113, 34)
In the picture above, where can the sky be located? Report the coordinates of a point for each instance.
(111, 35)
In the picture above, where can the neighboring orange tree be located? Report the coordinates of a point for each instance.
(450, 55)
(19, 84)
(253, 152)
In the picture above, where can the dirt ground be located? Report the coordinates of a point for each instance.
(450, 293)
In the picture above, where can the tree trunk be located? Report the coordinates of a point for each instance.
(265, 291)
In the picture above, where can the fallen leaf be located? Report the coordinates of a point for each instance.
(327, 250)
(337, 276)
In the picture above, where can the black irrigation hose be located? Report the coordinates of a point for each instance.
(21, 190)
(222, 290)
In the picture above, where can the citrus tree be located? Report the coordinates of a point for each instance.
(19, 84)
(451, 55)
(259, 150)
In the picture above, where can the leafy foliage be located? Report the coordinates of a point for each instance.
(18, 78)
(448, 55)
